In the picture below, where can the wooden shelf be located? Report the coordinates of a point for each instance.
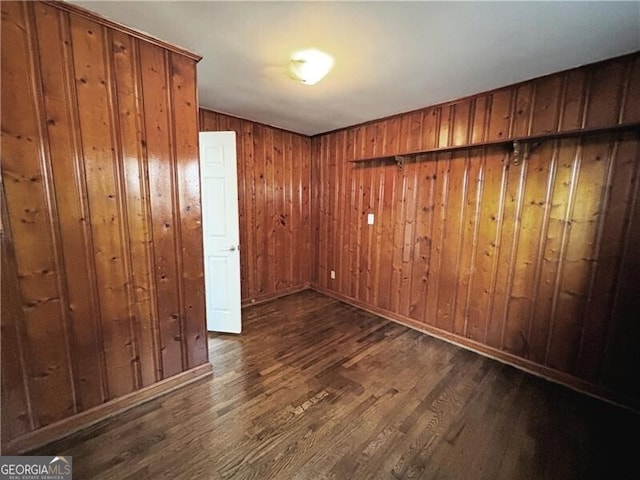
(512, 141)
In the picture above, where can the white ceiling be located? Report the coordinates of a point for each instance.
(390, 57)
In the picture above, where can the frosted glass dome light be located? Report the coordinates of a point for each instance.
(310, 66)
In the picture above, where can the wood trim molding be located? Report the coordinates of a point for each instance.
(272, 296)
(526, 139)
(498, 355)
(82, 420)
(71, 8)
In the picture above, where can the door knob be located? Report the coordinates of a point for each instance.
(232, 249)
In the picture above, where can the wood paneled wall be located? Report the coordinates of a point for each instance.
(274, 177)
(537, 264)
(102, 278)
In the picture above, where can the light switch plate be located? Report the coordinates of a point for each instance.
(370, 219)
(333, 274)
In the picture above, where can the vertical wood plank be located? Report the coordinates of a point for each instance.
(512, 220)
(341, 199)
(288, 187)
(280, 219)
(446, 118)
(605, 94)
(371, 192)
(68, 177)
(607, 265)
(398, 213)
(297, 173)
(377, 207)
(430, 121)
(481, 114)
(468, 239)
(236, 125)
(322, 212)
(30, 218)
(578, 258)
(17, 414)
(561, 171)
(525, 96)
(622, 356)
(414, 138)
(458, 206)
(334, 167)
(481, 289)
(559, 236)
(493, 247)
(349, 213)
(327, 200)
(161, 193)
(631, 108)
(260, 226)
(194, 341)
(360, 213)
(423, 235)
(511, 202)
(454, 192)
(315, 228)
(249, 247)
(119, 174)
(546, 108)
(87, 334)
(500, 116)
(271, 262)
(90, 42)
(532, 211)
(126, 74)
(384, 226)
(305, 226)
(443, 167)
(460, 131)
(50, 196)
(357, 218)
(411, 171)
(575, 92)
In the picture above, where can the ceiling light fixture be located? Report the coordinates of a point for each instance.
(310, 66)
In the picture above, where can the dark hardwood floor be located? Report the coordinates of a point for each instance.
(316, 389)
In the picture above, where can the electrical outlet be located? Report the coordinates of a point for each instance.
(370, 219)
(333, 275)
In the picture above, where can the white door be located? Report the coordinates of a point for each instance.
(220, 229)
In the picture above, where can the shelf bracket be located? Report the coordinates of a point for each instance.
(400, 160)
(520, 152)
